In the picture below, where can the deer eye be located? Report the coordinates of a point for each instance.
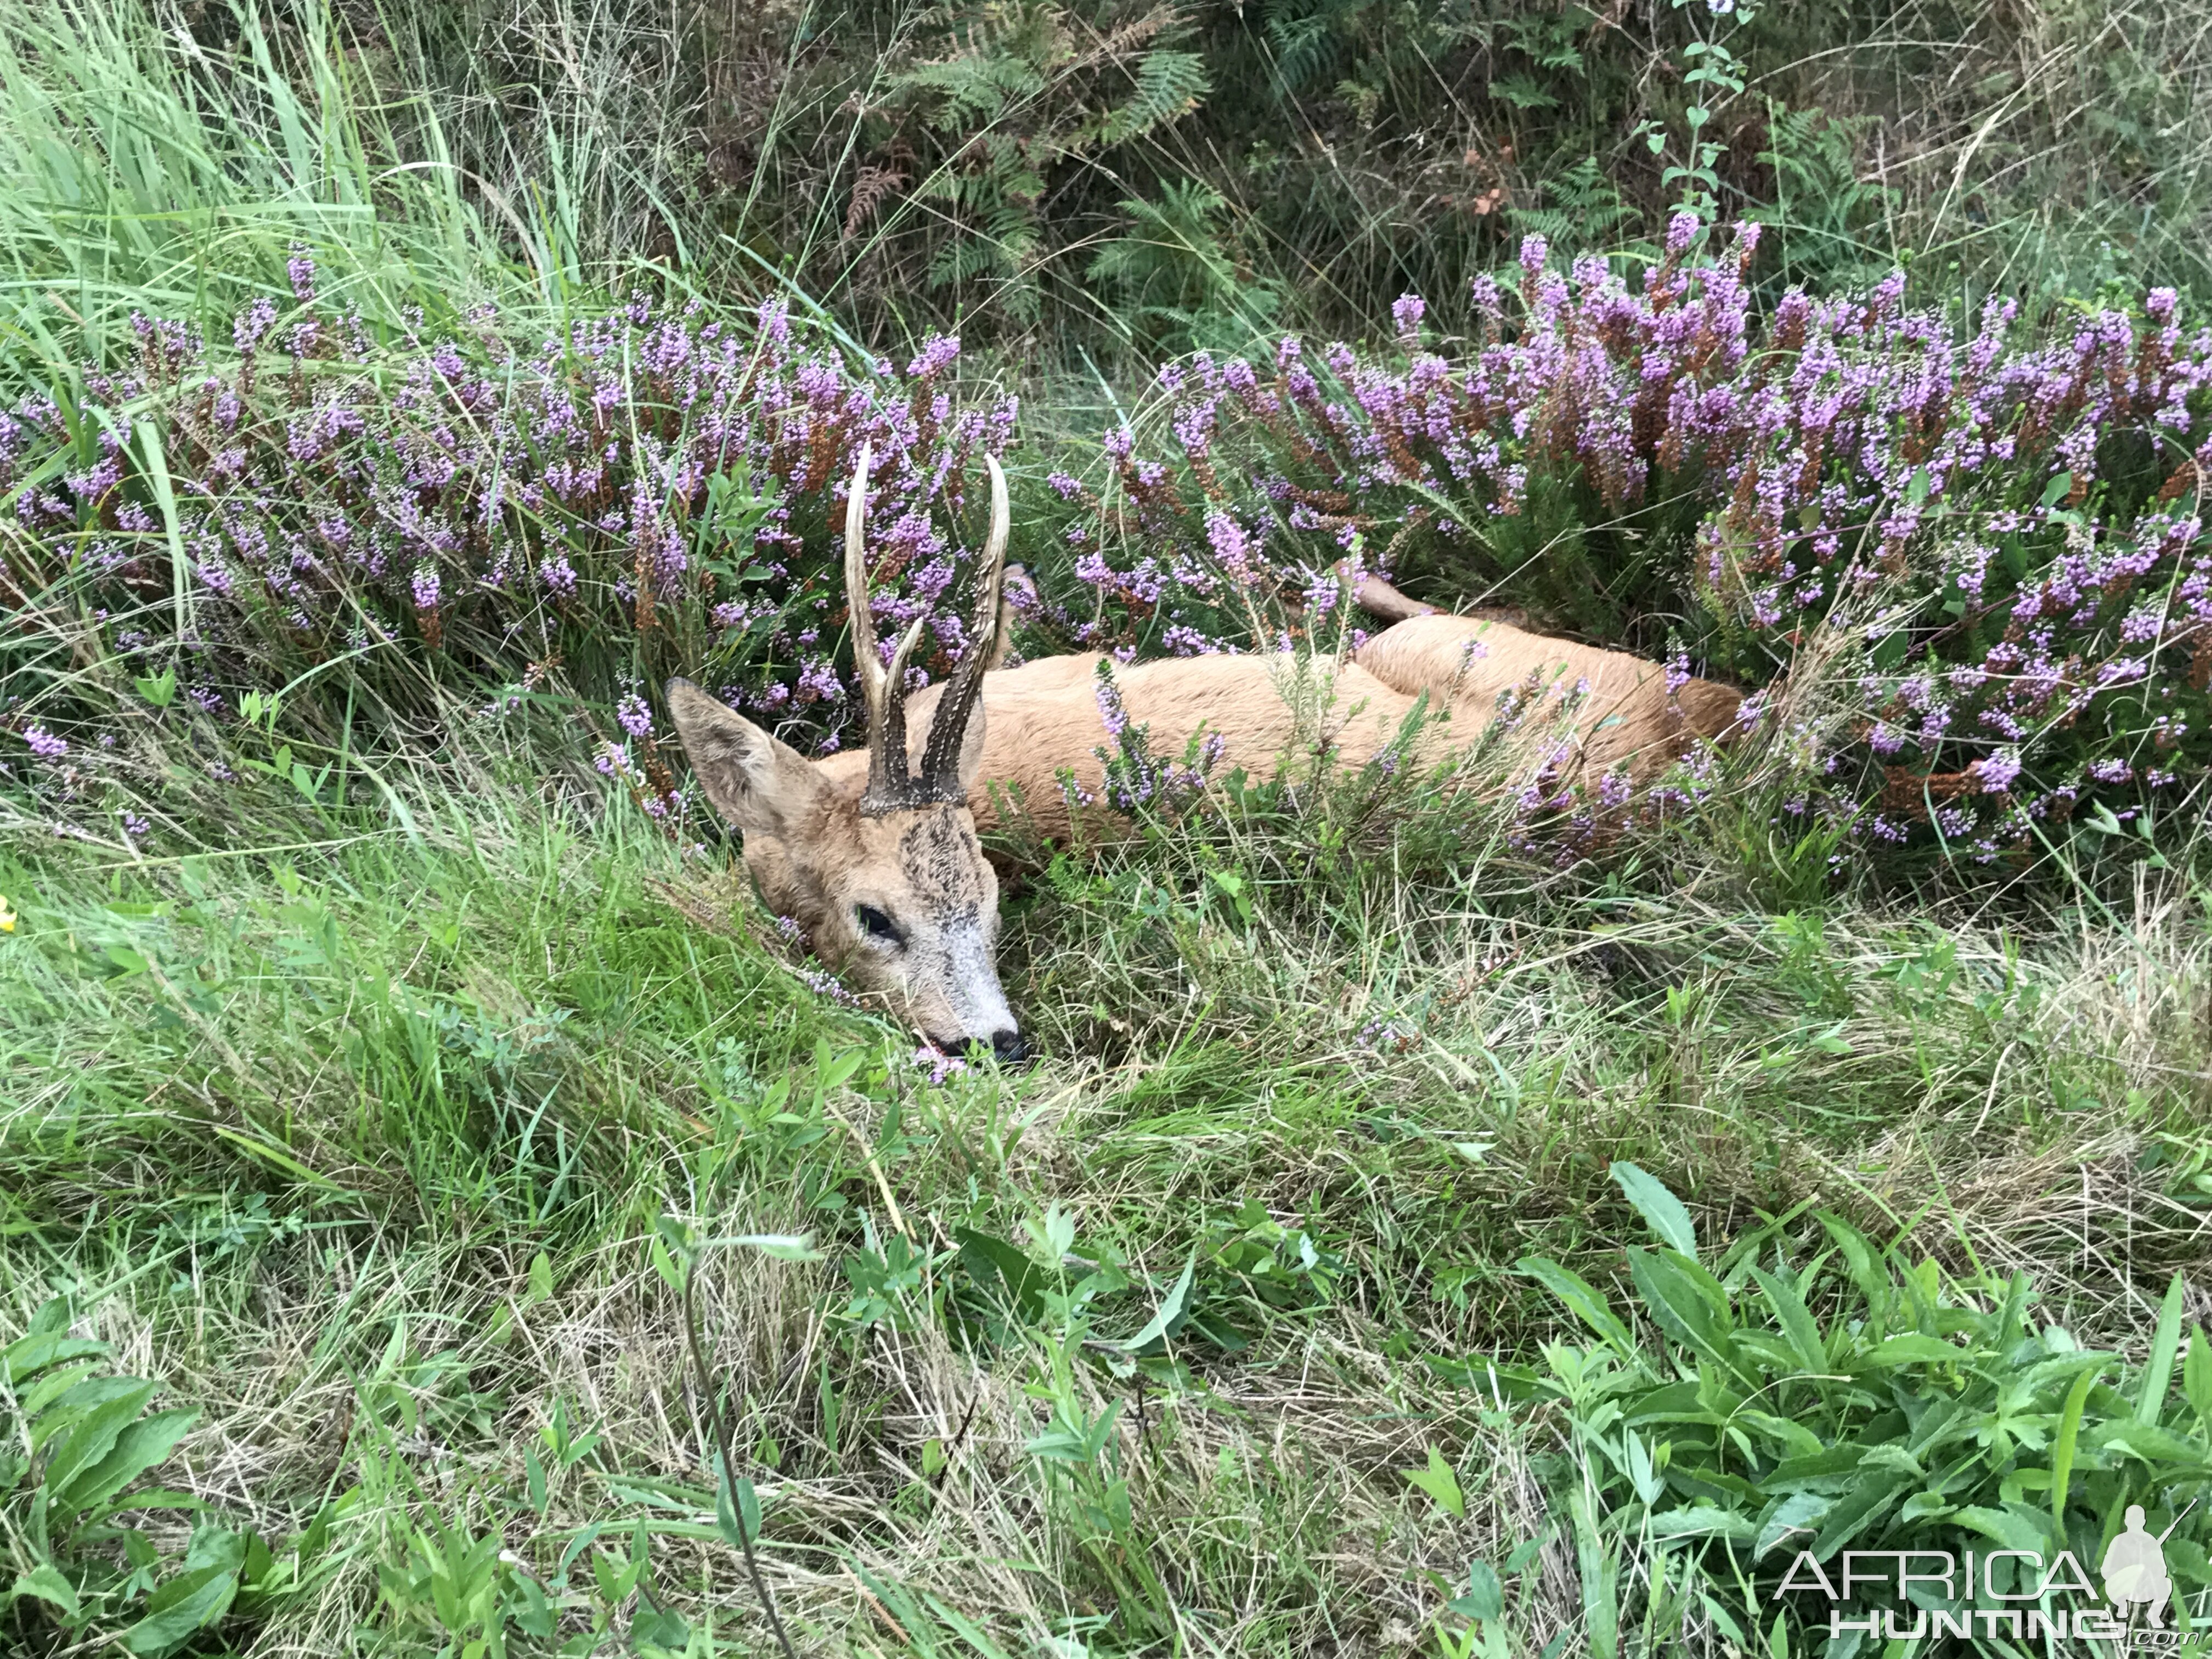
(874, 923)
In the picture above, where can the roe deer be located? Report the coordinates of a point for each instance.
(875, 855)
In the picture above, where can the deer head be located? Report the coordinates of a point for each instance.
(883, 871)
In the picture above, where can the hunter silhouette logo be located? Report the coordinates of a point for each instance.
(2134, 1569)
(1930, 1593)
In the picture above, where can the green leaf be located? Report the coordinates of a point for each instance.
(779, 1247)
(1004, 1273)
(737, 1509)
(1914, 1349)
(1170, 1314)
(188, 1603)
(2070, 1435)
(137, 1449)
(1794, 1319)
(2006, 1526)
(1576, 1294)
(1440, 1483)
(1704, 1520)
(46, 1582)
(1857, 1510)
(1799, 1513)
(2158, 1369)
(27, 1355)
(1682, 1298)
(2057, 489)
(541, 1280)
(92, 1436)
(1662, 1211)
(2151, 1443)
(660, 1627)
(1485, 1596)
(158, 690)
(2196, 1376)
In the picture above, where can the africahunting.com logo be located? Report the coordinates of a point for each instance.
(1911, 1596)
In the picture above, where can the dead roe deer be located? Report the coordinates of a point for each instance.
(875, 855)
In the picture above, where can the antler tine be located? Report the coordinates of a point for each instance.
(866, 663)
(948, 730)
(891, 786)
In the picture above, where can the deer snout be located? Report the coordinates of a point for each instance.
(1011, 1047)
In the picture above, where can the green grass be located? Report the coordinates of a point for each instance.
(374, 1152)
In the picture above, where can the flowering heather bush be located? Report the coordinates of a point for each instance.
(643, 493)
(2004, 536)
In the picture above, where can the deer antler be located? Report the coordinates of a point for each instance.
(891, 786)
(940, 756)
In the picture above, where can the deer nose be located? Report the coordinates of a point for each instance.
(1010, 1046)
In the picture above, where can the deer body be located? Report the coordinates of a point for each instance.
(874, 854)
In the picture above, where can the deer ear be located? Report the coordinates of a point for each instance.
(759, 783)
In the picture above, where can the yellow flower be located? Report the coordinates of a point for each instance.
(7, 916)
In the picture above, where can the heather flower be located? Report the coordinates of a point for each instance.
(1998, 772)
(635, 715)
(252, 323)
(44, 743)
(299, 268)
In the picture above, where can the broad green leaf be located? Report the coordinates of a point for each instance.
(778, 1247)
(1826, 1470)
(1601, 1579)
(1579, 1299)
(2152, 1443)
(1006, 1275)
(92, 1436)
(1485, 1596)
(659, 1627)
(1859, 1259)
(1662, 1211)
(2013, 1530)
(139, 1448)
(1857, 1510)
(1440, 1483)
(2158, 1369)
(737, 1508)
(46, 1582)
(188, 1603)
(1680, 1295)
(1171, 1314)
(1795, 1516)
(27, 1355)
(1704, 1520)
(541, 1279)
